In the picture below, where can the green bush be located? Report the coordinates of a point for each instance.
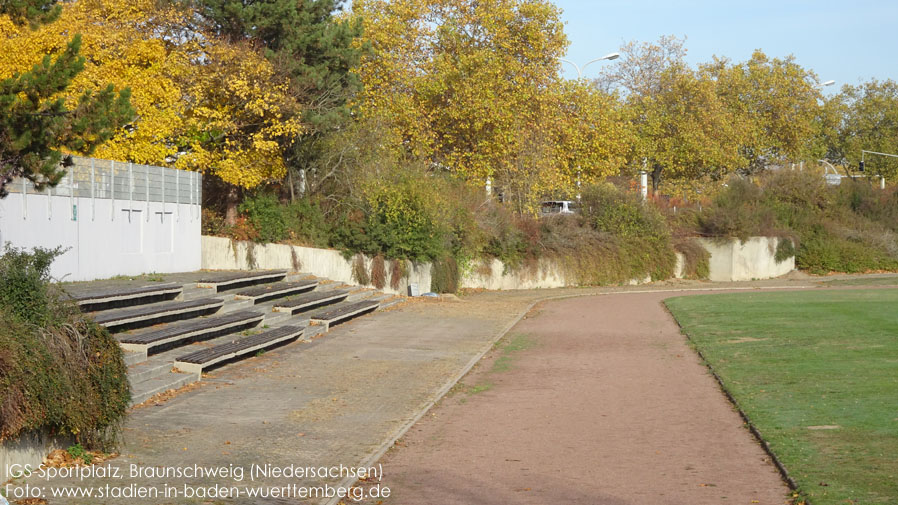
(847, 228)
(24, 278)
(268, 216)
(642, 234)
(59, 371)
(696, 259)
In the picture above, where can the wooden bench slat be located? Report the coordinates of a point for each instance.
(206, 324)
(195, 361)
(144, 312)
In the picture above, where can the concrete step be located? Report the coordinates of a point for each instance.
(360, 294)
(392, 302)
(143, 390)
(197, 361)
(232, 305)
(148, 369)
(134, 357)
(274, 319)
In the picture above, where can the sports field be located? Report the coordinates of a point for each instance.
(817, 374)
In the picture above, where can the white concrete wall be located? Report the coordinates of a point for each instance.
(734, 260)
(105, 237)
(223, 254)
(546, 275)
(29, 449)
(729, 261)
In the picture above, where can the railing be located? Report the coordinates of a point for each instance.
(115, 180)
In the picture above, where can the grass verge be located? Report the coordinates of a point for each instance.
(817, 374)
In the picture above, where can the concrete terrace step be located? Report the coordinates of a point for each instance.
(342, 312)
(93, 301)
(141, 391)
(310, 301)
(195, 362)
(233, 280)
(154, 340)
(146, 315)
(148, 370)
(278, 290)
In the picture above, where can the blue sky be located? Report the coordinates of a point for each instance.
(849, 41)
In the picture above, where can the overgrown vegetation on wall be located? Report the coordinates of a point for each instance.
(60, 373)
(850, 228)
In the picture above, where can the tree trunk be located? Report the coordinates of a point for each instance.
(232, 199)
(656, 178)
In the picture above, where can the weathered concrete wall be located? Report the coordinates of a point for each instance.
(729, 261)
(734, 260)
(493, 276)
(223, 254)
(28, 449)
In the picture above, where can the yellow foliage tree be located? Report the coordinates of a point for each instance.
(201, 104)
(473, 88)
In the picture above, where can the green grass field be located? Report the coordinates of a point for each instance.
(817, 373)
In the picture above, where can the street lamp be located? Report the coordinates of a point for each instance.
(611, 56)
(828, 83)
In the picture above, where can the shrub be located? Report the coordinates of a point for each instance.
(213, 223)
(360, 270)
(306, 223)
(847, 228)
(266, 214)
(444, 275)
(696, 259)
(641, 232)
(24, 288)
(378, 272)
(59, 371)
(785, 249)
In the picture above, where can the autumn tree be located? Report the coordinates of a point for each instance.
(313, 45)
(473, 89)
(865, 117)
(202, 103)
(37, 122)
(682, 127)
(778, 101)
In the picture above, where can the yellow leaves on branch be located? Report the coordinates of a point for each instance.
(201, 104)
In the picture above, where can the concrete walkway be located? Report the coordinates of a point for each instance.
(342, 399)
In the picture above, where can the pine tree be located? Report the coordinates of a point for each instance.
(36, 125)
(305, 40)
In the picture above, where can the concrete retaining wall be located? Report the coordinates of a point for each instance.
(28, 449)
(734, 260)
(223, 254)
(730, 261)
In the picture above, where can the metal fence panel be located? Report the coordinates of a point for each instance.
(94, 178)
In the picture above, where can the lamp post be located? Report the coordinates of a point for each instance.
(609, 56)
